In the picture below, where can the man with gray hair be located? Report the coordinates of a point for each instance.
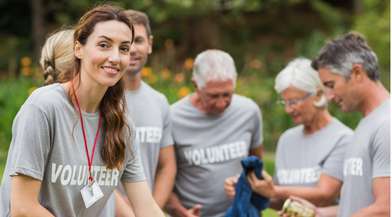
(348, 69)
(213, 130)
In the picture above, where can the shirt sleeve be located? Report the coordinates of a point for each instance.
(333, 165)
(380, 151)
(257, 137)
(30, 144)
(133, 171)
(167, 138)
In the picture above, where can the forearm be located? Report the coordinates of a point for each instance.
(163, 186)
(29, 210)
(141, 200)
(330, 211)
(276, 203)
(317, 196)
(24, 198)
(374, 210)
(174, 206)
(123, 208)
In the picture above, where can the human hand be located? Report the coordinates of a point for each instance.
(263, 186)
(229, 186)
(307, 207)
(194, 211)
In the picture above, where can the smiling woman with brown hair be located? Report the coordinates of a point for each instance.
(71, 145)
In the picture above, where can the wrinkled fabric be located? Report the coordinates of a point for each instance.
(246, 203)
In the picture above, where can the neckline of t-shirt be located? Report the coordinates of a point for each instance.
(138, 90)
(321, 130)
(375, 111)
(189, 102)
(65, 95)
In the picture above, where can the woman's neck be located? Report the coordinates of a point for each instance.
(318, 122)
(89, 93)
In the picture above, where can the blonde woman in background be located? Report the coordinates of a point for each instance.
(57, 57)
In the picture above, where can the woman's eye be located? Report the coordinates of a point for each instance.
(124, 49)
(103, 45)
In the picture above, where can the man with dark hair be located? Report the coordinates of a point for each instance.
(349, 70)
(149, 111)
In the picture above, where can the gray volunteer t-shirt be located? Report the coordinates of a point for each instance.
(209, 149)
(368, 157)
(149, 111)
(300, 158)
(47, 145)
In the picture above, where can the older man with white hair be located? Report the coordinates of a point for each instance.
(213, 129)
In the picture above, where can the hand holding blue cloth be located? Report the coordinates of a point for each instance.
(246, 203)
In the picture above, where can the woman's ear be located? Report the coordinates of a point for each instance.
(78, 50)
(150, 43)
(321, 101)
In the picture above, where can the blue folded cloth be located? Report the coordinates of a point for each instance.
(246, 203)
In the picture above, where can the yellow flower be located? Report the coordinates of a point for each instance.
(31, 89)
(25, 61)
(179, 78)
(165, 74)
(146, 72)
(188, 63)
(26, 71)
(183, 91)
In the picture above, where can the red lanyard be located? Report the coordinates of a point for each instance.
(89, 160)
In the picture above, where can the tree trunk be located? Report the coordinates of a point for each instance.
(358, 7)
(38, 28)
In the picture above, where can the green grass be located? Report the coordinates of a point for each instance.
(270, 213)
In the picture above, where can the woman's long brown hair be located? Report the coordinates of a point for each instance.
(112, 105)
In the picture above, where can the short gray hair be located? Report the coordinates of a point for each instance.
(299, 74)
(213, 65)
(340, 54)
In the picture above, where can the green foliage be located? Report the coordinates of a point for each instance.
(332, 17)
(13, 93)
(374, 22)
(310, 45)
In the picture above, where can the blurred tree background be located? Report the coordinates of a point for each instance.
(261, 35)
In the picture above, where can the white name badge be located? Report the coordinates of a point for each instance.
(91, 193)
